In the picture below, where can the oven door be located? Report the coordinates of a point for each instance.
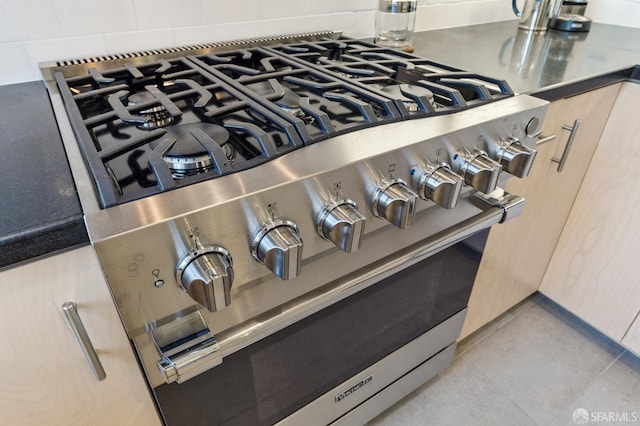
(356, 353)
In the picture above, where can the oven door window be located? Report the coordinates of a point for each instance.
(273, 378)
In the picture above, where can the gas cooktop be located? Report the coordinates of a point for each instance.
(158, 122)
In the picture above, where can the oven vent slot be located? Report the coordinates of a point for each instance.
(69, 67)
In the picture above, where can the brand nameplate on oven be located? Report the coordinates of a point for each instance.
(353, 388)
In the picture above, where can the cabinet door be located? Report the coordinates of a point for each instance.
(594, 269)
(518, 251)
(46, 379)
(632, 337)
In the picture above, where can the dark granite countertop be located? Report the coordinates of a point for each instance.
(40, 211)
(551, 65)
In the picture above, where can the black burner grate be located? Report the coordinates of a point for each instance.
(418, 87)
(149, 126)
(318, 104)
(125, 121)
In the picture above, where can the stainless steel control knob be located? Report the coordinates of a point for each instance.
(439, 184)
(395, 202)
(279, 247)
(515, 158)
(341, 223)
(479, 171)
(206, 275)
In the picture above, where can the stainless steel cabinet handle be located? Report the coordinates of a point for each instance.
(71, 312)
(565, 154)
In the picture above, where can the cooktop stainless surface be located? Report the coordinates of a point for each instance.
(232, 191)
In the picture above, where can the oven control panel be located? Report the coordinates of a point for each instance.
(246, 244)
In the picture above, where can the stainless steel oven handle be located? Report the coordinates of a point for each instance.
(245, 334)
(188, 348)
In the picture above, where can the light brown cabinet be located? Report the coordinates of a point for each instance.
(631, 338)
(46, 379)
(518, 252)
(594, 270)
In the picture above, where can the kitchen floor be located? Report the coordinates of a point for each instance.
(535, 365)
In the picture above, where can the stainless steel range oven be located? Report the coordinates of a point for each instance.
(290, 227)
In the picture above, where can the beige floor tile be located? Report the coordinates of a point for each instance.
(543, 362)
(459, 396)
(624, 375)
(536, 364)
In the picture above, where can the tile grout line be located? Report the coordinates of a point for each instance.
(507, 316)
(604, 370)
(498, 390)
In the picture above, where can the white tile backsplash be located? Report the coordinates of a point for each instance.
(217, 12)
(88, 17)
(283, 8)
(333, 6)
(162, 14)
(142, 40)
(64, 48)
(32, 31)
(22, 20)
(615, 12)
(205, 34)
(481, 12)
(441, 15)
(20, 69)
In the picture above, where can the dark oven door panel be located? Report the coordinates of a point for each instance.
(275, 377)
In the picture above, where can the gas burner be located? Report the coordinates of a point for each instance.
(402, 91)
(290, 103)
(157, 116)
(348, 75)
(284, 98)
(191, 153)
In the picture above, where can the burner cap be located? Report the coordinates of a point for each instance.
(395, 92)
(158, 116)
(189, 156)
(290, 102)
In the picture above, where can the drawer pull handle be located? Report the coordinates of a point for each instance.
(71, 312)
(565, 154)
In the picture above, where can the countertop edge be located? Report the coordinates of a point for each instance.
(43, 213)
(574, 88)
(42, 240)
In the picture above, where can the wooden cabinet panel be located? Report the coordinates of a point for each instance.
(632, 338)
(594, 270)
(46, 380)
(518, 252)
